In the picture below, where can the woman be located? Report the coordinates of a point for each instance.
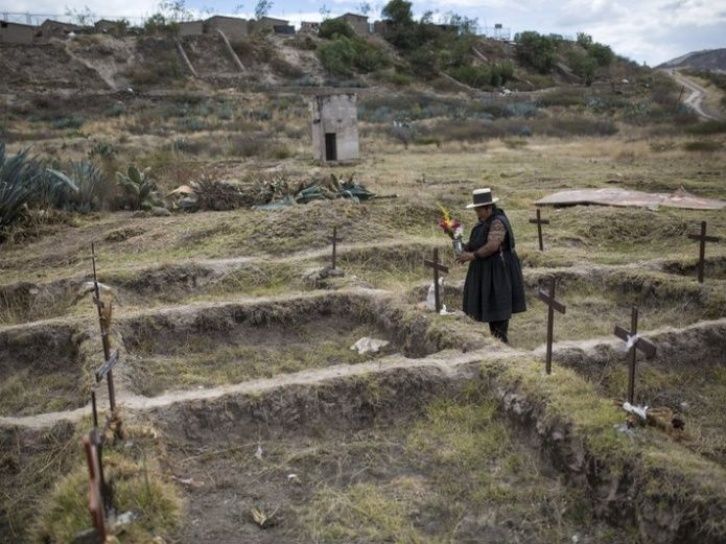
(494, 288)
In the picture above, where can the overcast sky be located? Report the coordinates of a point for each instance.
(649, 31)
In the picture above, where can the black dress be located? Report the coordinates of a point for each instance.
(494, 288)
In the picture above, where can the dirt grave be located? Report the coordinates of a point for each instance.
(687, 377)
(42, 369)
(232, 343)
(410, 457)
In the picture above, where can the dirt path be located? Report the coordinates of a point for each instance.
(697, 96)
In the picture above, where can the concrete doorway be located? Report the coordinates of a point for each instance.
(331, 147)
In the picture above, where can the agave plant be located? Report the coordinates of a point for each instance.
(139, 187)
(25, 182)
(89, 188)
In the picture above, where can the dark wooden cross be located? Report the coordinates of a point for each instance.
(334, 240)
(103, 316)
(438, 267)
(95, 500)
(702, 254)
(539, 222)
(552, 305)
(635, 343)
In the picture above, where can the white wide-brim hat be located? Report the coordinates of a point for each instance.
(481, 197)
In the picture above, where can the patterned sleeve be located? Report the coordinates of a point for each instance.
(497, 232)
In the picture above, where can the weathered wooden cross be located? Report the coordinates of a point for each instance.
(334, 240)
(634, 343)
(104, 321)
(539, 222)
(438, 267)
(552, 305)
(702, 254)
(95, 483)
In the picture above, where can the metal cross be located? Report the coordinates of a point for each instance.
(539, 222)
(334, 240)
(702, 254)
(438, 267)
(100, 306)
(636, 343)
(552, 305)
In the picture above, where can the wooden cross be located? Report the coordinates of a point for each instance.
(539, 222)
(552, 305)
(438, 267)
(334, 240)
(104, 316)
(95, 500)
(635, 343)
(702, 254)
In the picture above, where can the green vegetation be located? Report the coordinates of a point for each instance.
(345, 56)
(138, 487)
(139, 188)
(335, 28)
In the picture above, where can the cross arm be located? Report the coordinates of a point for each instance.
(704, 238)
(439, 266)
(540, 221)
(643, 344)
(545, 297)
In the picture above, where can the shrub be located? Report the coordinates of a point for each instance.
(561, 97)
(536, 50)
(708, 127)
(335, 28)
(92, 191)
(138, 187)
(347, 55)
(71, 122)
(25, 183)
(706, 146)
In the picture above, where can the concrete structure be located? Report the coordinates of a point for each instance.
(335, 127)
(17, 33)
(191, 28)
(307, 27)
(58, 29)
(233, 27)
(269, 23)
(359, 23)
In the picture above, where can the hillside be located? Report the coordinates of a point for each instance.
(709, 60)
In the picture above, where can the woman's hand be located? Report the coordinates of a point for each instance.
(465, 257)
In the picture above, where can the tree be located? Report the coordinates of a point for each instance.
(365, 8)
(583, 65)
(464, 24)
(602, 54)
(398, 13)
(262, 8)
(584, 40)
(536, 50)
(332, 28)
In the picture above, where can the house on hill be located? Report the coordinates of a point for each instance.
(278, 26)
(233, 27)
(307, 27)
(58, 29)
(17, 33)
(191, 28)
(359, 23)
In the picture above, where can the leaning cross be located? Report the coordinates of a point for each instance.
(95, 482)
(552, 305)
(438, 267)
(702, 254)
(334, 240)
(634, 343)
(539, 222)
(104, 316)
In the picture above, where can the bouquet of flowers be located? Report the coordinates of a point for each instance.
(453, 229)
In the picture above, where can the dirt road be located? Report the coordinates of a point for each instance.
(696, 97)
